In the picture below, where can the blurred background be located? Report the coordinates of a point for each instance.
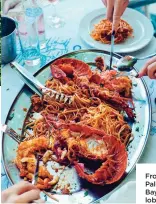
(147, 7)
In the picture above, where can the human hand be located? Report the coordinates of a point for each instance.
(10, 4)
(23, 192)
(115, 9)
(149, 69)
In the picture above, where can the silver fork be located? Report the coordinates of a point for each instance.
(36, 86)
(11, 133)
(16, 137)
(112, 49)
(35, 177)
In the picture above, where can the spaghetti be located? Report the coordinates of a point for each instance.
(102, 32)
(85, 108)
(91, 127)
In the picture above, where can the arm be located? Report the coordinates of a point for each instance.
(9, 4)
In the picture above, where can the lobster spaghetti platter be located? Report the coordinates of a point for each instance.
(88, 142)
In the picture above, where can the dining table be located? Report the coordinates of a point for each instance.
(61, 41)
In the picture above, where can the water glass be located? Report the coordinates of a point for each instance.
(33, 10)
(29, 41)
(54, 19)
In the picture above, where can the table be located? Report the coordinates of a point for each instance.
(134, 4)
(64, 40)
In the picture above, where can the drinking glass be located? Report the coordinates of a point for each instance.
(33, 10)
(29, 41)
(54, 20)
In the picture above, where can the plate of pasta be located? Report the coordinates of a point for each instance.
(89, 134)
(135, 31)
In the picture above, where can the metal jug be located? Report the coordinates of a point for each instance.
(8, 36)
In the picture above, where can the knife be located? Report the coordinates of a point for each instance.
(112, 47)
(34, 181)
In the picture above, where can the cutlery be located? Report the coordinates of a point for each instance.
(15, 136)
(36, 86)
(51, 196)
(11, 133)
(112, 48)
(34, 180)
(126, 63)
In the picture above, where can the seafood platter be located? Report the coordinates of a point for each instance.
(89, 131)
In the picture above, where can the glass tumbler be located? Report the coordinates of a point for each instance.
(54, 19)
(29, 40)
(33, 10)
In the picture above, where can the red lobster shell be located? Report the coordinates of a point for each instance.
(93, 144)
(72, 67)
(114, 166)
(106, 148)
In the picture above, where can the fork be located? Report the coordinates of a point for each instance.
(35, 177)
(112, 48)
(36, 86)
(11, 133)
(15, 136)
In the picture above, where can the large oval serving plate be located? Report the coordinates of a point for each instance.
(142, 30)
(82, 191)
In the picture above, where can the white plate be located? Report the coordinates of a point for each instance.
(143, 30)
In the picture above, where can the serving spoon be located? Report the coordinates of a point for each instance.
(126, 63)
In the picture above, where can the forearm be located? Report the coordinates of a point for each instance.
(9, 4)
